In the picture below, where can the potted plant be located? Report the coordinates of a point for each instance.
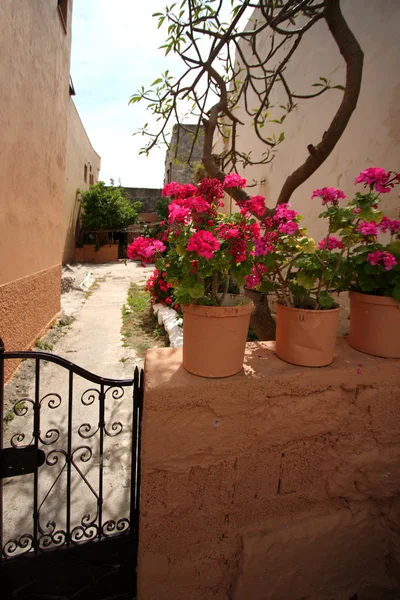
(206, 250)
(303, 276)
(374, 269)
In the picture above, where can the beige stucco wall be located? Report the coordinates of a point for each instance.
(279, 483)
(34, 99)
(80, 152)
(373, 135)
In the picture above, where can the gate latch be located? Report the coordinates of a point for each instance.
(20, 461)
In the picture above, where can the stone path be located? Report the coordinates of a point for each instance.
(93, 341)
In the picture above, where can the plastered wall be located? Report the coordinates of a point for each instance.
(80, 153)
(278, 483)
(372, 137)
(34, 98)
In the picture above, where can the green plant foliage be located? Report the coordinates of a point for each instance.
(107, 207)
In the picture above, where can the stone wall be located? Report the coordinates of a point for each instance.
(280, 483)
(147, 196)
(177, 167)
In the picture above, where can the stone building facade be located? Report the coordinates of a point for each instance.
(177, 165)
(147, 196)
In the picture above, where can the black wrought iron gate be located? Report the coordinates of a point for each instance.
(69, 496)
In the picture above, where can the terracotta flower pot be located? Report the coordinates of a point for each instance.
(375, 325)
(214, 337)
(306, 337)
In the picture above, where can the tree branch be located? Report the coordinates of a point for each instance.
(354, 57)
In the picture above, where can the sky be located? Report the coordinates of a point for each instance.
(114, 52)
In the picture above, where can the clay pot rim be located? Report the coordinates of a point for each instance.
(309, 310)
(371, 299)
(219, 311)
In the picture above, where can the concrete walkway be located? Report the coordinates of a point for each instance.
(93, 341)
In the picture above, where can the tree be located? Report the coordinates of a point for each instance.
(218, 76)
(107, 207)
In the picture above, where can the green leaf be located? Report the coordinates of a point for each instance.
(159, 264)
(266, 286)
(394, 247)
(304, 280)
(159, 80)
(325, 300)
(197, 291)
(396, 292)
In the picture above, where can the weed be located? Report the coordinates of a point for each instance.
(44, 345)
(123, 359)
(140, 329)
(10, 415)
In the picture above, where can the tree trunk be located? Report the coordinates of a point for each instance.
(262, 321)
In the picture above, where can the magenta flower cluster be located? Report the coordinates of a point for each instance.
(330, 243)
(382, 258)
(204, 243)
(233, 180)
(329, 195)
(378, 179)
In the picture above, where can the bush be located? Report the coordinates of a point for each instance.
(107, 207)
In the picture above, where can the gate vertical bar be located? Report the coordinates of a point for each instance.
(69, 456)
(132, 515)
(101, 451)
(1, 438)
(36, 434)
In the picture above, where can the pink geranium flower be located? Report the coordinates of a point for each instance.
(331, 243)
(289, 228)
(385, 258)
(329, 195)
(376, 178)
(211, 189)
(204, 243)
(368, 228)
(256, 205)
(171, 189)
(145, 249)
(389, 225)
(284, 213)
(233, 180)
(178, 213)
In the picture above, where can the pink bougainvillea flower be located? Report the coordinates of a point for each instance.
(368, 228)
(331, 243)
(329, 195)
(357, 210)
(233, 180)
(203, 243)
(171, 189)
(384, 258)
(389, 225)
(289, 228)
(211, 189)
